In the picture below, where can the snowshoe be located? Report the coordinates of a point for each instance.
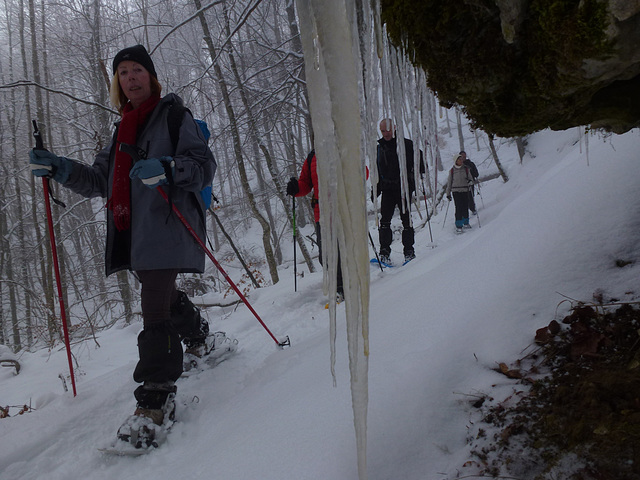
(408, 257)
(459, 230)
(384, 261)
(216, 348)
(144, 431)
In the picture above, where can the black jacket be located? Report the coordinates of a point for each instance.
(472, 168)
(389, 166)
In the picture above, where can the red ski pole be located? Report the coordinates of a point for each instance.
(133, 152)
(54, 253)
(286, 342)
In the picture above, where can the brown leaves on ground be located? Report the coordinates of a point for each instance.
(587, 403)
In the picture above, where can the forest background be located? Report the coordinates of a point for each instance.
(237, 65)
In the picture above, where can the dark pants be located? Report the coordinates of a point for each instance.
(391, 200)
(159, 347)
(340, 288)
(461, 199)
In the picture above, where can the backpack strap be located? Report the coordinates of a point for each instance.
(174, 122)
(310, 158)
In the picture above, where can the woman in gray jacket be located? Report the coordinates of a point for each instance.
(142, 234)
(460, 183)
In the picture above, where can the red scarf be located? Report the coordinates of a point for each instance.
(132, 120)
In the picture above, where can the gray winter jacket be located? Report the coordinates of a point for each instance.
(157, 239)
(460, 180)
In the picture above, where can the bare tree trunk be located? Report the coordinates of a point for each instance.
(8, 274)
(237, 252)
(503, 174)
(43, 246)
(460, 135)
(125, 293)
(266, 233)
(265, 151)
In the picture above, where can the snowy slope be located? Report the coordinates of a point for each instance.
(438, 326)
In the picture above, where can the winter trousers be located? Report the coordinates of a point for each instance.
(391, 200)
(461, 199)
(340, 288)
(168, 317)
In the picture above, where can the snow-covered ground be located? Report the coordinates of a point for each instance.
(438, 326)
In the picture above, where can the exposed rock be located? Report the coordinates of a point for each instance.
(518, 66)
(512, 14)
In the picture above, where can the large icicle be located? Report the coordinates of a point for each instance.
(333, 72)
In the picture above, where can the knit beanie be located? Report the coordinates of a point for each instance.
(136, 54)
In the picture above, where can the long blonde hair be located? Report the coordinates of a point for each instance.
(119, 99)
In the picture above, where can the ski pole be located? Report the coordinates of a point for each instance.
(133, 152)
(470, 197)
(480, 193)
(295, 265)
(54, 254)
(284, 343)
(445, 215)
(426, 206)
(375, 252)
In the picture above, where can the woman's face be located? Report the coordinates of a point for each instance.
(135, 82)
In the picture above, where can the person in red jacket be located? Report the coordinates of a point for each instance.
(299, 187)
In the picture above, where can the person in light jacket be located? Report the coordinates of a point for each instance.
(466, 161)
(143, 235)
(459, 184)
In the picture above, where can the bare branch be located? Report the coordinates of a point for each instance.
(28, 83)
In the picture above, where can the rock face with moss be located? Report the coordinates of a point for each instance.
(518, 66)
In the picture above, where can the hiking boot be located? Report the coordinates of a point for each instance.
(385, 259)
(466, 225)
(458, 229)
(196, 347)
(409, 256)
(148, 426)
(339, 297)
(156, 415)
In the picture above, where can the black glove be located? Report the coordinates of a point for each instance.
(292, 187)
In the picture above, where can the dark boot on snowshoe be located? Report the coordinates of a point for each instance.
(151, 421)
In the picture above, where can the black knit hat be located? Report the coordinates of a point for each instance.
(135, 54)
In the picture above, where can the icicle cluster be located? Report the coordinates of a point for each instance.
(351, 70)
(332, 51)
(407, 100)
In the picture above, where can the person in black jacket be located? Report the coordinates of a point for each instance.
(474, 173)
(389, 179)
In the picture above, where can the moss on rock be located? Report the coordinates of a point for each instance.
(558, 67)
